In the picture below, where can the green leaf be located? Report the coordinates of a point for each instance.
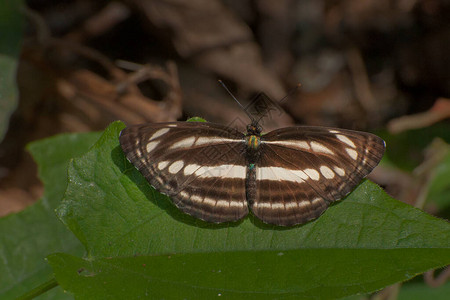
(11, 28)
(26, 238)
(291, 274)
(361, 244)
(439, 190)
(196, 119)
(420, 291)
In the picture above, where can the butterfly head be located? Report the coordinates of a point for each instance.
(254, 128)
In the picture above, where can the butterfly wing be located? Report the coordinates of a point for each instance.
(303, 169)
(200, 166)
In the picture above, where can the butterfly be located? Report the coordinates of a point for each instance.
(218, 174)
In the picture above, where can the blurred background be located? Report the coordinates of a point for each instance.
(375, 65)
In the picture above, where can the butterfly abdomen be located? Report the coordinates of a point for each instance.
(250, 183)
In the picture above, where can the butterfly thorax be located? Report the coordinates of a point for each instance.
(253, 142)
(253, 136)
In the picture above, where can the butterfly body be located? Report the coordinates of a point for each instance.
(285, 177)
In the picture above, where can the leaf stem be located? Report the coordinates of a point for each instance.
(46, 286)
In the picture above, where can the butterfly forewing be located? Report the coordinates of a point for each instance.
(303, 169)
(200, 166)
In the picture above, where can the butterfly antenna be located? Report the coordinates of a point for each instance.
(292, 91)
(231, 94)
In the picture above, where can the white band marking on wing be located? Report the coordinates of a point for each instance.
(352, 153)
(151, 146)
(159, 133)
(176, 166)
(223, 171)
(318, 147)
(345, 140)
(327, 172)
(339, 171)
(184, 143)
(302, 145)
(215, 140)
